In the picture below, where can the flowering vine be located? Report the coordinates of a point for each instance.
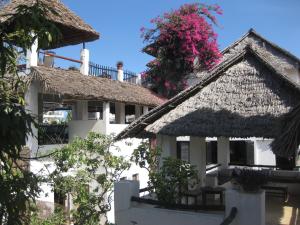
(182, 41)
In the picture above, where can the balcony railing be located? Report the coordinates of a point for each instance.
(111, 73)
(49, 134)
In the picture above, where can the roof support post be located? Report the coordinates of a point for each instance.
(120, 113)
(145, 109)
(223, 152)
(85, 58)
(82, 110)
(32, 107)
(168, 145)
(198, 156)
(138, 111)
(32, 55)
(106, 111)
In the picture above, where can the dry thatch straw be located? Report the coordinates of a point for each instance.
(74, 30)
(287, 143)
(72, 85)
(242, 97)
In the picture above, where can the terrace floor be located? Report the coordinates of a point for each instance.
(282, 213)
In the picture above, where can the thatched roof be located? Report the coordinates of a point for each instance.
(72, 85)
(74, 30)
(278, 57)
(241, 97)
(287, 143)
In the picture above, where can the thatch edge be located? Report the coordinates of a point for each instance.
(287, 143)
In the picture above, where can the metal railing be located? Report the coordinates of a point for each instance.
(111, 73)
(102, 71)
(49, 134)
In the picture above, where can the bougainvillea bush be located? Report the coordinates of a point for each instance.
(181, 41)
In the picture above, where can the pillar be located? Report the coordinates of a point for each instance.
(145, 109)
(85, 58)
(198, 156)
(120, 113)
(32, 55)
(106, 112)
(120, 75)
(138, 111)
(139, 79)
(82, 110)
(168, 145)
(32, 107)
(223, 152)
(250, 207)
(123, 191)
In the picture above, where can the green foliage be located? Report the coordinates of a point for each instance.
(57, 218)
(19, 187)
(168, 181)
(86, 169)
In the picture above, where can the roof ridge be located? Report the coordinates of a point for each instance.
(253, 31)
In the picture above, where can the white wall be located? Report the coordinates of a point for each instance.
(151, 216)
(43, 168)
(81, 128)
(263, 154)
(128, 212)
(126, 148)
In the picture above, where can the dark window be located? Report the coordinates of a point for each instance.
(135, 177)
(129, 113)
(285, 163)
(95, 109)
(211, 152)
(183, 150)
(242, 152)
(112, 113)
(59, 198)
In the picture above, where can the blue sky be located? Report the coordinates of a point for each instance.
(119, 23)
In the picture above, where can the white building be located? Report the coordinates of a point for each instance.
(96, 104)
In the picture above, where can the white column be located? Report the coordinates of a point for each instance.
(198, 156)
(168, 145)
(138, 79)
(85, 58)
(145, 109)
(120, 75)
(32, 55)
(120, 113)
(32, 107)
(138, 111)
(223, 152)
(82, 110)
(123, 191)
(250, 206)
(106, 112)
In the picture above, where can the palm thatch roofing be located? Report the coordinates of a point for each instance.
(288, 142)
(73, 29)
(72, 85)
(241, 97)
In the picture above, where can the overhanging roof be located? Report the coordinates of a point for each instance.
(73, 29)
(72, 85)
